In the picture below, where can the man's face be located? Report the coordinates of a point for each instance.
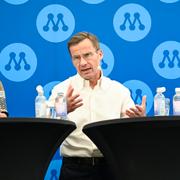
(86, 59)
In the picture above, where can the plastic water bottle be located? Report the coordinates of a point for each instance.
(40, 103)
(176, 102)
(60, 106)
(159, 102)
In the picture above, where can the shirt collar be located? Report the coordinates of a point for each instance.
(102, 82)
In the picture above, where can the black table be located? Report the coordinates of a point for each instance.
(27, 146)
(145, 148)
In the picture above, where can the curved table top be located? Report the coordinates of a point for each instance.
(27, 146)
(139, 148)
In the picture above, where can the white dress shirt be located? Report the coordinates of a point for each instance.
(108, 100)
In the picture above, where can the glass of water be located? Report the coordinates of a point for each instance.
(167, 106)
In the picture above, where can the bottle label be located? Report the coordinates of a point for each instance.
(159, 107)
(41, 110)
(176, 108)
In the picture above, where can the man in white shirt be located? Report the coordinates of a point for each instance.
(91, 97)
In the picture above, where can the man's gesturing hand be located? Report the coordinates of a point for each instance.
(73, 101)
(139, 110)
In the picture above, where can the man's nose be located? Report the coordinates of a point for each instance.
(82, 61)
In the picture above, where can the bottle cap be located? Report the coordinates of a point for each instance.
(39, 90)
(177, 89)
(160, 89)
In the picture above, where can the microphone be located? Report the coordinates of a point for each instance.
(3, 107)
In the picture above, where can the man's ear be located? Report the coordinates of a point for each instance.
(101, 55)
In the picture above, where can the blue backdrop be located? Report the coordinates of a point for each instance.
(140, 40)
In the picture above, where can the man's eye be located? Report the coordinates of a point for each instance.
(75, 57)
(87, 55)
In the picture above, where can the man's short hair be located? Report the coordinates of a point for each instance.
(77, 38)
